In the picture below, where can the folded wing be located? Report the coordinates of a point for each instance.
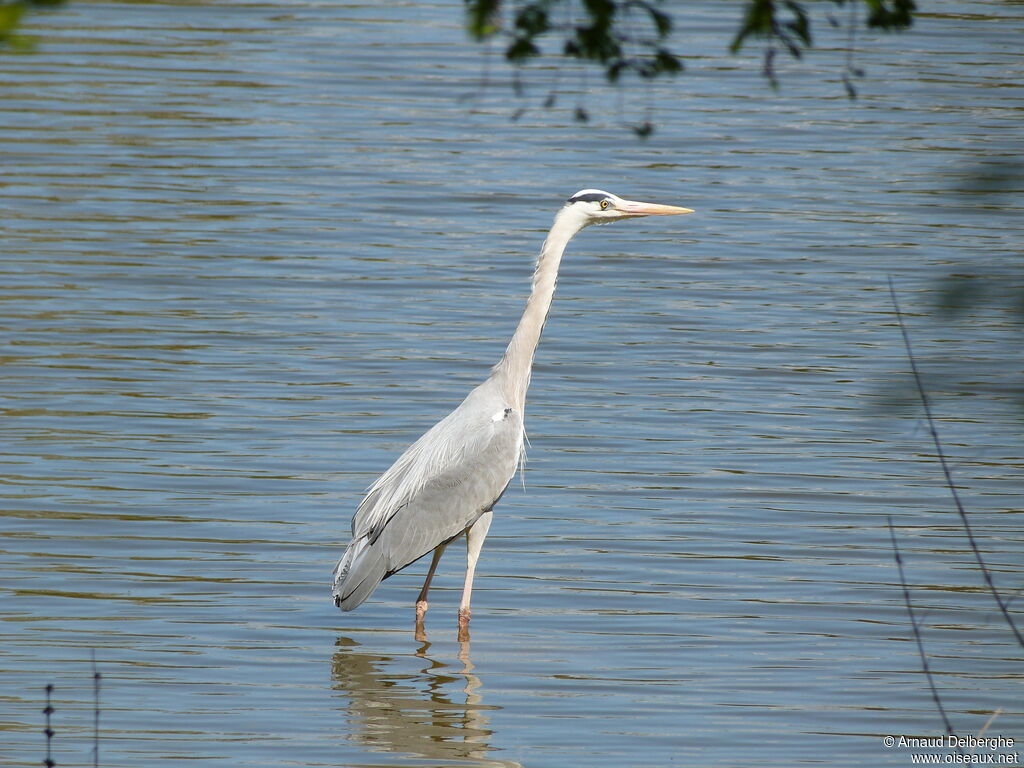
(432, 493)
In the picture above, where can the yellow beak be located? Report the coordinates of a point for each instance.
(633, 208)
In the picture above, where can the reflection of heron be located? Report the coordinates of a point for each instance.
(414, 714)
(446, 483)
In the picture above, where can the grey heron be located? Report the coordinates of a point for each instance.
(447, 482)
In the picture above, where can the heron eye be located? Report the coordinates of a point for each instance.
(604, 204)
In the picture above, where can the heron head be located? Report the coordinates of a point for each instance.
(595, 206)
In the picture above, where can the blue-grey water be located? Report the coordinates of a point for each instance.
(251, 250)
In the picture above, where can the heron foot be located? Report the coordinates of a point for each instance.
(464, 614)
(421, 612)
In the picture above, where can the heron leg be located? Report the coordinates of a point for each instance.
(475, 536)
(421, 601)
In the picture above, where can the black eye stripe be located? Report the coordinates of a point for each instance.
(590, 197)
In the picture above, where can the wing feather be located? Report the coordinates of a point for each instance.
(434, 491)
(448, 454)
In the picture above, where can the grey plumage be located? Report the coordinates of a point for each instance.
(435, 490)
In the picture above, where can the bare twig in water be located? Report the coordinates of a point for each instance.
(48, 730)
(989, 722)
(916, 629)
(940, 453)
(95, 712)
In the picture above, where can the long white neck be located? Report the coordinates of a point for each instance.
(514, 369)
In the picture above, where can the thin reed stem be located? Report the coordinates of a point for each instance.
(95, 712)
(916, 629)
(48, 730)
(941, 455)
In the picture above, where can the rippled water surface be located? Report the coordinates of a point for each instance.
(252, 250)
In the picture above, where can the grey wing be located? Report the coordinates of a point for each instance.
(432, 493)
